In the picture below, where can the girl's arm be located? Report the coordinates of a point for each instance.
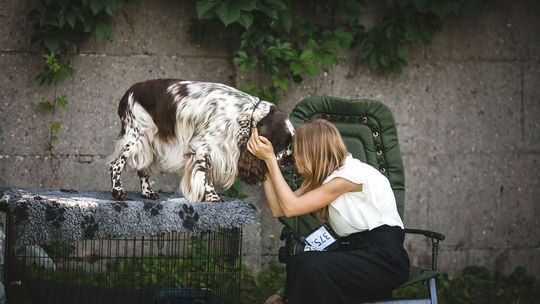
(289, 203)
(272, 200)
(293, 205)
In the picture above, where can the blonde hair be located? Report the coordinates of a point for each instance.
(318, 151)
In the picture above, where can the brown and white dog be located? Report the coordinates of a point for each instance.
(198, 129)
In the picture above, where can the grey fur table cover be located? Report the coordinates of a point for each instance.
(42, 216)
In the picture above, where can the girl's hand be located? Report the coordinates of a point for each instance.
(260, 146)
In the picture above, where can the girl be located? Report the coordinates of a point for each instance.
(357, 202)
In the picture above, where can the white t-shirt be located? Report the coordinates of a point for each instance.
(370, 208)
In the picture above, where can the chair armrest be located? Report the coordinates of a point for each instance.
(427, 233)
(435, 238)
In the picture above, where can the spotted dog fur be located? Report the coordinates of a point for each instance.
(197, 129)
(146, 189)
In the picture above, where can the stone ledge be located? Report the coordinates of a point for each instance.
(43, 216)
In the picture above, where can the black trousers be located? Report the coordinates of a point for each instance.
(366, 266)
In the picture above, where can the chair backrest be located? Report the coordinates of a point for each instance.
(368, 130)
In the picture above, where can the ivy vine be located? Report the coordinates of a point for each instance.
(286, 44)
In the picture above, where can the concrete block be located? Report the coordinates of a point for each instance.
(531, 106)
(418, 248)
(160, 27)
(90, 122)
(24, 129)
(213, 69)
(497, 31)
(73, 172)
(445, 108)
(482, 202)
(26, 171)
(270, 230)
(251, 247)
(418, 182)
(94, 175)
(13, 25)
(318, 85)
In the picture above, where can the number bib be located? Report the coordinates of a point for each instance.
(319, 240)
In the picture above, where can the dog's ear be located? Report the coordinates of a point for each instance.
(251, 170)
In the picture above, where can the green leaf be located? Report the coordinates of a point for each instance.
(345, 37)
(286, 20)
(296, 67)
(62, 101)
(110, 10)
(281, 82)
(228, 12)
(366, 51)
(311, 69)
(46, 106)
(95, 6)
(246, 20)
(373, 61)
(403, 51)
(268, 11)
(243, 61)
(412, 33)
(51, 44)
(102, 31)
(351, 9)
(55, 126)
(61, 20)
(112, 6)
(71, 19)
(204, 9)
(307, 55)
(247, 5)
(328, 59)
(384, 60)
(277, 4)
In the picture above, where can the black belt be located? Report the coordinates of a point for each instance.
(381, 233)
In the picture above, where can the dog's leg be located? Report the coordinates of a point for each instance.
(198, 184)
(146, 189)
(115, 168)
(210, 194)
(124, 150)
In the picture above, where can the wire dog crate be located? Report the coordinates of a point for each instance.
(44, 264)
(166, 268)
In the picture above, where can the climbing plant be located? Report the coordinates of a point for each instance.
(287, 40)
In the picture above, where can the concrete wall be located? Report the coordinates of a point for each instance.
(467, 109)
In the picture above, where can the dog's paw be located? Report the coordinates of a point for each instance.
(212, 197)
(150, 195)
(119, 193)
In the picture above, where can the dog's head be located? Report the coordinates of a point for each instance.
(277, 127)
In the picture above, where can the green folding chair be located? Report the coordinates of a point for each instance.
(369, 132)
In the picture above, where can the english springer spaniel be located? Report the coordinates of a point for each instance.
(198, 129)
